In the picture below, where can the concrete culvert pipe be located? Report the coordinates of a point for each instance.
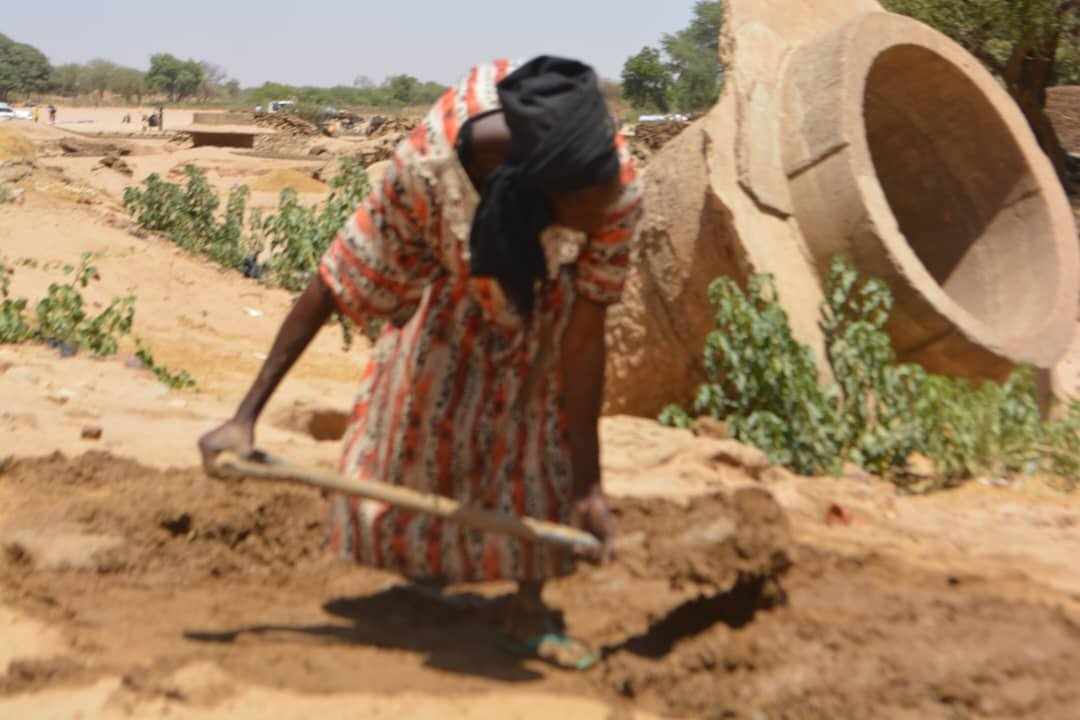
(903, 153)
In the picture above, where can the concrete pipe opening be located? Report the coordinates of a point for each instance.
(905, 155)
(961, 190)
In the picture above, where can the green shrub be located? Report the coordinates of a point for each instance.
(877, 413)
(178, 380)
(13, 325)
(62, 320)
(297, 235)
(187, 215)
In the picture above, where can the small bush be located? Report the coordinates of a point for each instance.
(187, 215)
(62, 321)
(178, 380)
(13, 325)
(877, 413)
(297, 235)
(62, 318)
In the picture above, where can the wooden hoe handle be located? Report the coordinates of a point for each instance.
(265, 467)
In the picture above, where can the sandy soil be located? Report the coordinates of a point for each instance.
(131, 585)
(110, 119)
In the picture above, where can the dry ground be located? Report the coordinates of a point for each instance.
(133, 586)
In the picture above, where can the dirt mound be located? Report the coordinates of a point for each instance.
(380, 126)
(79, 147)
(177, 521)
(286, 124)
(231, 573)
(857, 638)
(14, 146)
(647, 138)
(1063, 108)
(278, 180)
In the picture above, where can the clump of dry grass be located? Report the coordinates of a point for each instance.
(14, 146)
(278, 180)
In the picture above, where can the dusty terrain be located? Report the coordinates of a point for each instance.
(131, 585)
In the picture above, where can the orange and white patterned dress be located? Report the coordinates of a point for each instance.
(458, 399)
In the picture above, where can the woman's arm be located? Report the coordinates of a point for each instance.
(583, 358)
(303, 322)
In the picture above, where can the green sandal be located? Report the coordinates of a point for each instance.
(554, 648)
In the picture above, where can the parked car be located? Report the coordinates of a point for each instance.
(24, 114)
(6, 113)
(281, 106)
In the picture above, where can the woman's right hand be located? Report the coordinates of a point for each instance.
(235, 436)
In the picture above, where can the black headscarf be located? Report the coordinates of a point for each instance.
(562, 139)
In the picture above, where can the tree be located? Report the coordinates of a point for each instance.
(67, 79)
(214, 79)
(1029, 44)
(129, 83)
(98, 76)
(175, 77)
(402, 88)
(694, 58)
(232, 88)
(647, 80)
(23, 68)
(363, 82)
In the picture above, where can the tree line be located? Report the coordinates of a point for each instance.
(25, 71)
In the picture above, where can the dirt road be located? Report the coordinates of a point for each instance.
(133, 586)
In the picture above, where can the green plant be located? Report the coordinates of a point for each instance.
(877, 413)
(5, 194)
(62, 318)
(187, 215)
(13, 325)
(297, 235)
(178, 380)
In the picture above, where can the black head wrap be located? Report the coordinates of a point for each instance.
(562, 139)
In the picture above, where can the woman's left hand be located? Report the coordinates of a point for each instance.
(593, 514)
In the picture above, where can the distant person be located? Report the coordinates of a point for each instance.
(161, 118)
(145, 122)
(493, 247)
(52, 114)
(37, 114)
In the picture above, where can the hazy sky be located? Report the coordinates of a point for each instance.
(331, 42)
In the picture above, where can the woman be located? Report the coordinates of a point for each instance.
(496, 240)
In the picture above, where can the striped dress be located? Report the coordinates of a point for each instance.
(458, 399)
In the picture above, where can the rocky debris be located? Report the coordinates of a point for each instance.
(710, 427)
(380, 126)
(77, 147)
(287, 124)
(180, 141)
(734, 453)
(12, 171)
(114, 162)
(647, 138)
(91, 432)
